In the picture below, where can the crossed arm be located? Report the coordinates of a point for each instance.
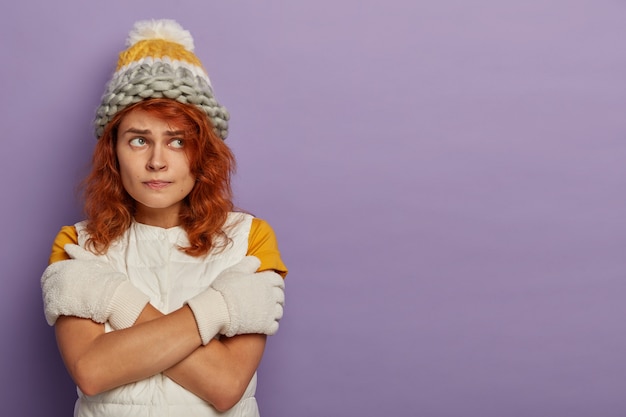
(218, 372)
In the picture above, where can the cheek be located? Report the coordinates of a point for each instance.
(126, 175)
(188, 185)
(126, 181)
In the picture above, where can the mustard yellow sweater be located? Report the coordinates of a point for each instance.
(261, 243)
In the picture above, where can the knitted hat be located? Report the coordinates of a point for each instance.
(160, 63)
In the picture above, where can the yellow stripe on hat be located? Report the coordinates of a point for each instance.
(158, 49)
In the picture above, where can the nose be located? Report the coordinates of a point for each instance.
(156, 162)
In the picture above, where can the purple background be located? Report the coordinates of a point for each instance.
(446, 179)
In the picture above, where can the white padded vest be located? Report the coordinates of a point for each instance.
(150, 258)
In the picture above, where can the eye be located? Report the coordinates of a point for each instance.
(177, 143)
(138, 142)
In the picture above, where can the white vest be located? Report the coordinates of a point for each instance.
(150, 258)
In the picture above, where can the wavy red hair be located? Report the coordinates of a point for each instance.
(110, 209)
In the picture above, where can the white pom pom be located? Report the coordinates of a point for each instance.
(166, 29)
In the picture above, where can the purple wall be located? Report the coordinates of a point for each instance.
(446, 179)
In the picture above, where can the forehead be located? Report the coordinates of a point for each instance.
(139, 119)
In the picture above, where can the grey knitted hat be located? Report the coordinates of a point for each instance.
(160, 63)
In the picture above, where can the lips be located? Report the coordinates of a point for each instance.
(157, 185)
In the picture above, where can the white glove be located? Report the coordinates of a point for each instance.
(240, 301)
(87, 287)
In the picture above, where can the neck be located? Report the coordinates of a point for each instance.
(164, 218)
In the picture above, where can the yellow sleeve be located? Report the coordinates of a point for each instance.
(68, 234)
(262, 244)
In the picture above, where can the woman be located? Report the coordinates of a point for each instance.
(163, 297)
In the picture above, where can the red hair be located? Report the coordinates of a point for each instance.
(110, 209)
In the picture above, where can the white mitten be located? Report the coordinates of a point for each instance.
(88, 287)
(240, 301)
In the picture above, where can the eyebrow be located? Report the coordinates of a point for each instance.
(147, 131)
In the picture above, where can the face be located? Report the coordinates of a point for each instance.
(154, 167)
